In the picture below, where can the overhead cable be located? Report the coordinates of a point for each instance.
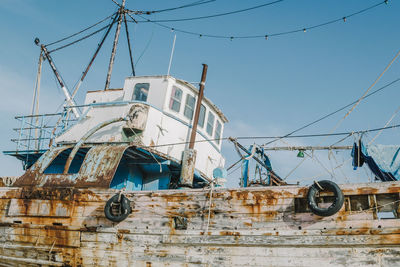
(80, 39)
(266, 35)
(201, 2)
(279, 137)
(366, 92)
(216, 15)
(88, 28)
(336, 111)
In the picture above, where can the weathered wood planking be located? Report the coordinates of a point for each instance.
(254, 226)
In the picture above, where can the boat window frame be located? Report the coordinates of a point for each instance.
(136, 87)
(217, 133)
(188, 107)
(210, 115)
(174, 99)
(202, 116)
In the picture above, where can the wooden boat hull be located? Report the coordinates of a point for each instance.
(253, 226)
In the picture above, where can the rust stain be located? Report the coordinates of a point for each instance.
(229, 233)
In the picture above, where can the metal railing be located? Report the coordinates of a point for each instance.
(37, 132)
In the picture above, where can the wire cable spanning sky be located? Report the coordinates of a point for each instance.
(264, 35)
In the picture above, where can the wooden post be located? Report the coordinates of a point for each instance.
(189, 155)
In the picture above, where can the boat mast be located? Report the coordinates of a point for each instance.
(68, 98)
(114, 50)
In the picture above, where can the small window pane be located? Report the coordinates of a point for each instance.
(141, 91)
(210, 123)
(202, 116)
(218, 132)
(189, 107)
(176, 97)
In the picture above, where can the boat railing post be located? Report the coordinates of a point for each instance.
(40, 133)
(20, 133)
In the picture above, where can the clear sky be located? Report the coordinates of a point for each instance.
(264, 87)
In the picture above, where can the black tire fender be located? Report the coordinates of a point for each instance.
(124, 208)
(312, 198)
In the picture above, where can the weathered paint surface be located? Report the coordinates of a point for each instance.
(252, 226)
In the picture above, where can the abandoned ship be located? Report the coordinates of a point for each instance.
(134, 176)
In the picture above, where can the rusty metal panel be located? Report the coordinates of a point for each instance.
(33, 176)
(100, 165)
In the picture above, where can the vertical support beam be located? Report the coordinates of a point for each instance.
(114, 50)
(189, 155)
(35, 99)
(198, 106)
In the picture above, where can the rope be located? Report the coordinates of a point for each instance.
(366, 92)
(387, 123)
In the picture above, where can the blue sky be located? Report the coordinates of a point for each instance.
(265, 87)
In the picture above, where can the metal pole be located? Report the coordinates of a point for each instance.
(36, 93)
(64, 89)
(172, 54)
(198, 106)
(114, 50)
(290, 148)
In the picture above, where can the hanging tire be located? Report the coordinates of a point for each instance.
(117, 211)
(329, 186)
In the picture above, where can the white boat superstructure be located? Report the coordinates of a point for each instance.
(160, 110)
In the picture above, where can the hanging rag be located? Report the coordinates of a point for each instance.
(382, 160)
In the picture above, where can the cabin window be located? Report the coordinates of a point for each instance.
(141, 91)
(189, 107)
(58, 164)
(210, 123)
(218, 132)
(202, 116)
(176, 98)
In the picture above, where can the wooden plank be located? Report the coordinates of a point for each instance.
(39, 208)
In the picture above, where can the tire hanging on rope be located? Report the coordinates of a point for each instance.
(314, 191)
(117, 208)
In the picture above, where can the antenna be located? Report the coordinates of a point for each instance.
(172, 54)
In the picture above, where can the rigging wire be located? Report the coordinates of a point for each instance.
(72, 35)
(201, 2)
(80, 39)
(280, 137)
(217, 15)
(336, 111)
(146, 47)
(386, 124)
(366, 92)
(265, 36)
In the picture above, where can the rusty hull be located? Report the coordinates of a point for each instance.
(253, 226)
